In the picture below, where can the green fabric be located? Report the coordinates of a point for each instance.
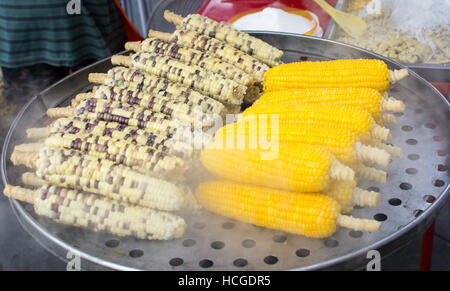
(41, 31)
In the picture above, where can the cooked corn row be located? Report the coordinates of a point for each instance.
(208, 83)
(296, 167)
(238, 39)
(137, 157)
(143, 82)
(99, 213)
(342, 143)
(192, 57)
(171, 107)
(167, 201)
(312, 215)
(227, 53)
(102, 110)
(348, 195)
(156, 164)
(86, 142)
(167, 144)
(60, 161)
(350, 118)
(123, 113)
(364, 98)
(360, 73)
(156, 137)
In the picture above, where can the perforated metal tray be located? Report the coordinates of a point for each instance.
(416, 189)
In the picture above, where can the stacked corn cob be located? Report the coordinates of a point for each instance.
(117, 154)
(306, 138)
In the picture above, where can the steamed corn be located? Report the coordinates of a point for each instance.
(309, 214)
(99, 213)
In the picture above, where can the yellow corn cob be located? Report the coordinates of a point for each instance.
(350, 118)
(332, 74)
(207, 82)
(296, 167)
(312, 215)
(227, 53)
(364, 98)
(192, 57)
(342, 143)
(238, 39)
(99, 213)
(144, 82)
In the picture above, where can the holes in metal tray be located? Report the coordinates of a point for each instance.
(430, 125)
(217, 245)
(189, 242)
(438, 138)
(302, 253)
(405, 186)
(411, 141)
(270, 260)
(331, 243)
(419, 111)
(438, 183)
(442, 168)
(429, 198)
(240, 262)
(199, 225)
(380, 217)
(395, 201)
(355, 233)
(413, 157)
(175, 262)
(228, 225)
(279, 238)
(373, 188)
(136, 253)
(112, 243)
(407, 128)
(206, 263)
(417, 212)
(248, 243)
(411, 171)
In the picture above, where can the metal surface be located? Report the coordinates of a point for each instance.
(417, 186)
(431, 72)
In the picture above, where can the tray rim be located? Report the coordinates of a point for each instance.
(21, 213)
